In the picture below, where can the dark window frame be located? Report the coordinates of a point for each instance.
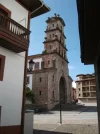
(53, 35)
(40, 93)
(37, 64)
(2, 66)
(48, 62)
(5, 10)
(40, 79)
(53, 77)
(53, 94)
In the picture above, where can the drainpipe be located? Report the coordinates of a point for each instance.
(22, 20)
(32, 13)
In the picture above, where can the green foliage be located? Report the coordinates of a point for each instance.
(44, 52)
(30, 95)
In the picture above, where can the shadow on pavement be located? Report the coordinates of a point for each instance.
(46, 112)
(78, 108)
(35, 131)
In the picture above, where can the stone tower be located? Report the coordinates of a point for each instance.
(55, 38)
(52, 81)
(55, 57)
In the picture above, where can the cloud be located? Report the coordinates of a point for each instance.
(74, 84)
(71, 67)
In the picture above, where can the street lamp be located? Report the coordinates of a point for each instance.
(60, 109)
(31, 63)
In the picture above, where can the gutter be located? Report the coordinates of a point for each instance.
(37, 9)
(42, 4)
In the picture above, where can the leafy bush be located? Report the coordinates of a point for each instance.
(30, 95)
(44, 52)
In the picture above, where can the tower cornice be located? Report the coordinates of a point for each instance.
(57, 54)
(52, 19)
(57, 28)
(56, 39)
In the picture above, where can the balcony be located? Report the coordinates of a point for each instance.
(13, 36)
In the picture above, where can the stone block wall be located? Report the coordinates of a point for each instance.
(40, 87)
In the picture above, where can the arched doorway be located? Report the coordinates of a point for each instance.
(62, 90)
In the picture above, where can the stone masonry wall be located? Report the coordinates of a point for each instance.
(40, 87)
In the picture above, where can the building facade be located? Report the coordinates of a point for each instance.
(15, 18)
(50, 76)
(86, 87)
(74, 97)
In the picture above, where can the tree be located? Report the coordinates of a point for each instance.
(30, 95)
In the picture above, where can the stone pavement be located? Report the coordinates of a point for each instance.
(65, 129)
(78, 121)
(67, 118)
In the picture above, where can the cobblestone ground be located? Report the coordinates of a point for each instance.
(65, 129)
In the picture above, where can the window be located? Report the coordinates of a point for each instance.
(50, 46)
(50, 35)
(6, 13)
(79, 89)
(42, 64)
(36, 65)
(2, 20)
(28, 79)
(78, 83)
(53, 77)
(53, 25)
(53, 95)
(53, 35)
(79, 94)
(59, 49)
(39, 92)
(2, 65)
(40, 79)
(54, 63)
(48, 62)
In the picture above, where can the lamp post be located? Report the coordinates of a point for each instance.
(31, 63)
(60, 112)
(60, 109)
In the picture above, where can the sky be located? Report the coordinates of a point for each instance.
(68, 11)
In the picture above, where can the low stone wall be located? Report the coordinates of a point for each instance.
(42, 107)
(88, 100)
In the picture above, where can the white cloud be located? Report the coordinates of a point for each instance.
(74, 84)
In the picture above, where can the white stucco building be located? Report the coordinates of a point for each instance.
(37, 66)
(15, 18)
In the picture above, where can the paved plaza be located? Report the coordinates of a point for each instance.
(79, 121)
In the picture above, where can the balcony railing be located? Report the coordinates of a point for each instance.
(9, 27)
